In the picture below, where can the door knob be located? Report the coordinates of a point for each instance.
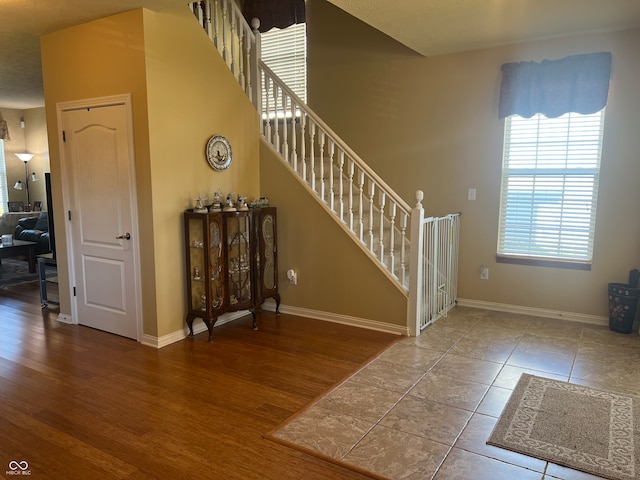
(126, 236)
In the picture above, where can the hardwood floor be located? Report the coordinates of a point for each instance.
(77, 403)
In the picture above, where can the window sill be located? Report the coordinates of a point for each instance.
(544, 262)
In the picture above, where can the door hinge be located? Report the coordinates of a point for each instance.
(69, 214)
(64, 136)
(74, 291)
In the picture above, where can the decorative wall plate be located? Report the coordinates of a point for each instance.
(218, 153)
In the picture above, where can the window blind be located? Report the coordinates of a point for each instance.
(4, 194)
(285, 52)
(549, 186)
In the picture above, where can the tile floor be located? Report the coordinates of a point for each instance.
(425, 407)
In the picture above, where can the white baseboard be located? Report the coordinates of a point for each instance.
(338, 318)
(536, 312)
(198, 327)
(64, 318)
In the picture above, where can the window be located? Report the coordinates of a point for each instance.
(549, 188)
(4, 195)
(285, 52)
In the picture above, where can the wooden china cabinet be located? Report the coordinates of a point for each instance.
(231, 260)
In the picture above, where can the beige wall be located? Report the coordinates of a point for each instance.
(191, 96)
(431, 124)
(334, 274)
(181, 95)
(31, 139)
(428, 123)
(97, 59)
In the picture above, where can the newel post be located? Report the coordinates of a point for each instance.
(255, 78)
(416, 253)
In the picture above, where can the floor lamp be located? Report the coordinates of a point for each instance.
(25, 157)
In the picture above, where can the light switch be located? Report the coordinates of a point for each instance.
(471, 194)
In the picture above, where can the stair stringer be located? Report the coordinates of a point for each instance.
(335, 217)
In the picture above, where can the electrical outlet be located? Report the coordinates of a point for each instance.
(292, 276)
(484, 273)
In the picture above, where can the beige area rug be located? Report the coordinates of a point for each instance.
(583, 428)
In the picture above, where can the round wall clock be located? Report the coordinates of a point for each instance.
(218, 153)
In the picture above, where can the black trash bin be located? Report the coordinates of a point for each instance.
(623, 302)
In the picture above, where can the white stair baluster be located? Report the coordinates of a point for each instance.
(207, 19)
(233, 44)
(267, 120)
(361, 206)
(303, 144)
(216, 25)
(276, 124)
(341, 186)
(225, 52)
(371, 193)
(285, 144)
(392, 237)
(383, 198)
(294, 135)
(241, 57)
(403, 250)
(331, 191)
(351, 173)
(321, 193)
(312, 166)
(197, 11)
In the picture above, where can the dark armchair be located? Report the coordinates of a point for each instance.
(35, 229)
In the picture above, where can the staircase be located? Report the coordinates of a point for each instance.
(408, 248)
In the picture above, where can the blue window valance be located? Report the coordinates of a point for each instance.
(578, 83)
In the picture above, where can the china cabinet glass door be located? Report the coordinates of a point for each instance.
(239, 258)
(215, 264)
(197, 262)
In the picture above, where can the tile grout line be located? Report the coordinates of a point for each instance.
(376, 423)
(392, 406)
(548, 342)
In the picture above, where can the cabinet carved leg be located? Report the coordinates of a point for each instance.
(276, 297)
(209, 322)
(254, 314)
(190, 319)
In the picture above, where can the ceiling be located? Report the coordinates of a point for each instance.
(436, 27)
(24, 21)
(430, 27)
